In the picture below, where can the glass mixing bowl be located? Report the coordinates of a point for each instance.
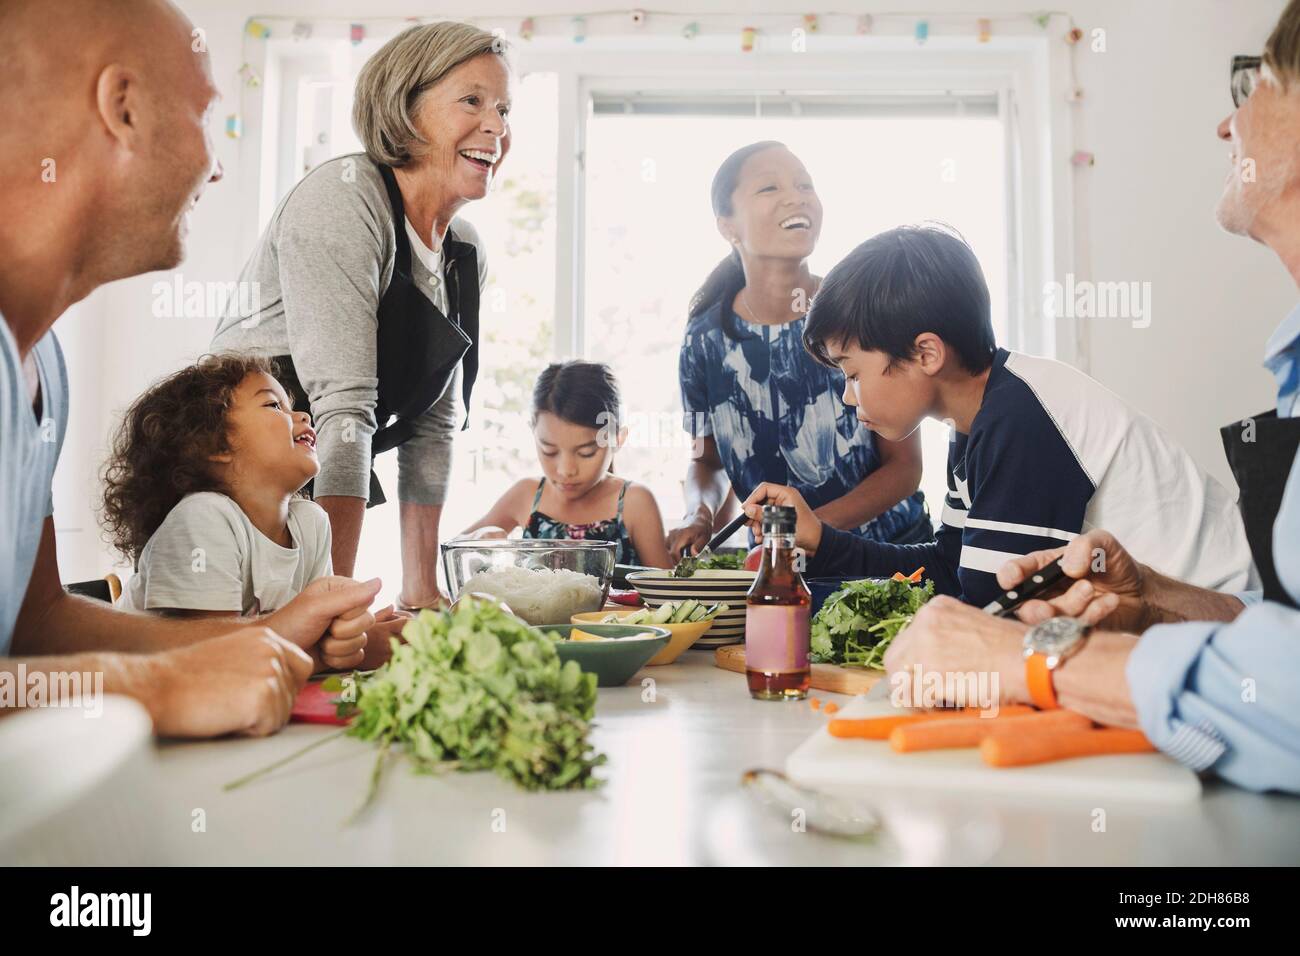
(463, 559)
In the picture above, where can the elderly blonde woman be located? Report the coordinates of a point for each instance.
(369, 284)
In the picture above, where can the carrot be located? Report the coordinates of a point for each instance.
(814, 702)
(831, 707)
(969, 731)
(1014, 751)
(879, 728)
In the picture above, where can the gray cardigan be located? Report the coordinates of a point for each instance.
(320, 269)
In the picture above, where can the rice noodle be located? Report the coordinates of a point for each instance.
(540, 595)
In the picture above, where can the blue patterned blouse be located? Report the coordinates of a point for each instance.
(777, 416)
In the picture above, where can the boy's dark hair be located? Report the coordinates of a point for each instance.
(584, 393)
(728, 277)
(161, 450)
(895, 286)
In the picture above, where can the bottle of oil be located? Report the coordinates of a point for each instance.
(776, 616)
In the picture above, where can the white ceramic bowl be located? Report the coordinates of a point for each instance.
(80, 787)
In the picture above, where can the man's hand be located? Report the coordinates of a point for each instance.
(808, 527)
(242, 683)
(949, 637)
(690, 535)
(322, 606)
(1110, 590)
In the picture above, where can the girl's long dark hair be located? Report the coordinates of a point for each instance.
(584, 393)
(728, 277)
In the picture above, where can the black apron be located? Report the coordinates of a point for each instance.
(418, 348)
(1262, 452)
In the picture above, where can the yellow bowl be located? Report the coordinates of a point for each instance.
(681, 636)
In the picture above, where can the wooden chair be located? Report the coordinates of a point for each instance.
(108, 588)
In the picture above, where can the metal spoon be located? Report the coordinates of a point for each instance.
(826, 813)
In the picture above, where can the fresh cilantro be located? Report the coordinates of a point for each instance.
(857, 622)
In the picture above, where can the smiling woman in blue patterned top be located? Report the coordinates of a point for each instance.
(758, 406)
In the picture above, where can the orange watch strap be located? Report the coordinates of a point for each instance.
(1038, 677)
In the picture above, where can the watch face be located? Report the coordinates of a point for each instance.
(1054, 636)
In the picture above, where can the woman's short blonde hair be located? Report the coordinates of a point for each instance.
(1282, 51)
(392, 81)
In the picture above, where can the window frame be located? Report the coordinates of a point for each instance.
(1029, 73)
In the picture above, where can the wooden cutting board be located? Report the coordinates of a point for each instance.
(828, 677)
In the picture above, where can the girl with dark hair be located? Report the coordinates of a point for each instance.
(758, 406)
(201, 495)
(576, 422)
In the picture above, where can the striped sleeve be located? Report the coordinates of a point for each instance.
(1025, 490)
(1219, 696)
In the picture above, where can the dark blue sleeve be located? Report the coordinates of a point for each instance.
(1027, 490)
(844, 554)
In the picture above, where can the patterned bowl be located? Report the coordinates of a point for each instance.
(707, 587)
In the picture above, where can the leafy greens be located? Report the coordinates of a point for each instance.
(857, 623)
(475, 688)
(726, 561)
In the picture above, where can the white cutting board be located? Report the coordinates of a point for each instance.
(830, 763)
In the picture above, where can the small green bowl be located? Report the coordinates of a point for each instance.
(613, 662)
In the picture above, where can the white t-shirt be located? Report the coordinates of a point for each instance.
(207, 556)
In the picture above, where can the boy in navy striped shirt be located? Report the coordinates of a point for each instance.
(1040, 452)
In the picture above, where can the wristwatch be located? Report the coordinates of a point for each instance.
(1046, 646)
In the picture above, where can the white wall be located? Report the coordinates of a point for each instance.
(1144, 213)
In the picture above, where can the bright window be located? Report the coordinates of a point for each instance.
(602, 260)
(651, 236)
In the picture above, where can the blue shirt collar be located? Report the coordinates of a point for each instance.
(1285, 337)
(1282, 358)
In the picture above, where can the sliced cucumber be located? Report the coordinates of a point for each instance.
(699, 614)
(663, 613)
(685, 610)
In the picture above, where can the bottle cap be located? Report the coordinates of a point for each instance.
(778, 519)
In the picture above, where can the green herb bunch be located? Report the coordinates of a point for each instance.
(727, 561)
(474, 688)
(857, 623)
(477, 689)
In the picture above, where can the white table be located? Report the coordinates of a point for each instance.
(672, 797)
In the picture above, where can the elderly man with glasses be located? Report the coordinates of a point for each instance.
(1209, 677)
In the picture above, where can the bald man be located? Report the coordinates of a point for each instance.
(104, 149)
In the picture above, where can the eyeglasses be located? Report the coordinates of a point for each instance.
(1245, 77)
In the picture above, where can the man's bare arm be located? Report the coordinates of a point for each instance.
(52, 621)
